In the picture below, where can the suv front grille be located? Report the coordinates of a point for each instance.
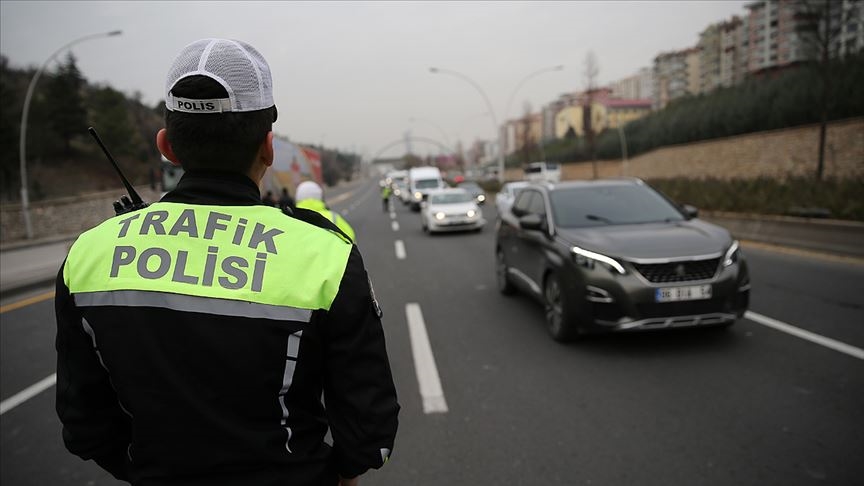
(678, 271)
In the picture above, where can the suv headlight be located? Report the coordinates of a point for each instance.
(418, 195)
(439, 216)
(731, 254)
(587, 259)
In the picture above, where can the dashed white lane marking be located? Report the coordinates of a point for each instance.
(395, 225)
(400, 250)
(424, 362)
(28, 393)
(809, 336)
(392, 215)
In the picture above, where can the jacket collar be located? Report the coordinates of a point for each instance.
(216, 188)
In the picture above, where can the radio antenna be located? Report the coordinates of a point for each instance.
(136, 199)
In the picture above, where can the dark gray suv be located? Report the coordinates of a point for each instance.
(616, 255)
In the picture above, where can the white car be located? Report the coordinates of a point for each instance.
(451, 210)
(504, 198)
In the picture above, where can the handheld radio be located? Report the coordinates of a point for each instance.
(126, 203)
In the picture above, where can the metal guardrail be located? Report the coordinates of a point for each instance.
(830, 236)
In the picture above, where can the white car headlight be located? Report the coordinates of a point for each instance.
(418, 195)
(731, 254)
(439, 216)
(471, 213)
(481, 198)
(587, 258)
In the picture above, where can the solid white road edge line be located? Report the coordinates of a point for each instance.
(395, 225)
(424, 362)
(809, 336)
(28, 393)
(400, 250)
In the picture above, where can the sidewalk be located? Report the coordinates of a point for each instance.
(37, 263)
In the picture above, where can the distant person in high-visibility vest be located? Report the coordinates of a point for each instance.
(310, 196)
(385, 197)
(209, 339)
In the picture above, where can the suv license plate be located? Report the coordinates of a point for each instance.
(675, 294)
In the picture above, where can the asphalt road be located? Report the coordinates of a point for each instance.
(749, 405)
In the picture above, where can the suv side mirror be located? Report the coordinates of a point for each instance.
(690, 211)
(532, 222)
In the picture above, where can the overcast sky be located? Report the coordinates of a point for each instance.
(353, 75)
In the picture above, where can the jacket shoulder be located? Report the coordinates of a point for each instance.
(317, 219)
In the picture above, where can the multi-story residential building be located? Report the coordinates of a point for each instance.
(676, 74)
(547, 117)
(521, 131)
(734, 51)
(636, 87)
(710, 53)
(607, 112)
(847, 22)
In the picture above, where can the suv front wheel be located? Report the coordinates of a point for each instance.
(560, 317)
(501, 274)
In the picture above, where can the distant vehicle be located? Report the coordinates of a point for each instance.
(170, 175)
(504, 198)
(400, 190)
(421, 180)
(542, 172)
(451, 209)
(475, 190)
(398, 176)
(615, 255)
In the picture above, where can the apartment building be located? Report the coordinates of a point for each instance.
(607, 112)
(710, 53)
(521, 131)
(636, 87)
(850, 38)
(734, 51)
(676, 74)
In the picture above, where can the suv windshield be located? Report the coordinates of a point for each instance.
(450, 198)
(580, 207)
(425, 183)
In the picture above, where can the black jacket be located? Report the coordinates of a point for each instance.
(166, 397)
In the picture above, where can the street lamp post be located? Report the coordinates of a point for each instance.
(496, 129)
(22, 145)
(437, 126)
(516, 89)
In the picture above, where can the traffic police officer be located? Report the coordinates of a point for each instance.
(197, 336)
(311, 196)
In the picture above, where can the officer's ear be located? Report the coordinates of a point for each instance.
(164, 146)
(265, 151)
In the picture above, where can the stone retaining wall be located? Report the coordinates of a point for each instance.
(773, 154)
(66, 216)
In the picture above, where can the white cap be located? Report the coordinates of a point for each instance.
(309, 190)
(237, 66)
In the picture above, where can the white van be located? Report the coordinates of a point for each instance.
(543, 172)
(421, 180)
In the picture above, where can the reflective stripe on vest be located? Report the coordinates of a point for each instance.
(251, 254)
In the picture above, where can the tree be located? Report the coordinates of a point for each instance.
(109, 113)
(10, 118)
(822, 33)
(590, 71)
(526, 142)
(66, 104)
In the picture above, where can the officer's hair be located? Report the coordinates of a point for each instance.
(217, 141)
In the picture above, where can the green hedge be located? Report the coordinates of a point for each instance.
(834, 198)
(785, 99)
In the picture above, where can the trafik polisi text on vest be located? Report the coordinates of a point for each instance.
(156, 262)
